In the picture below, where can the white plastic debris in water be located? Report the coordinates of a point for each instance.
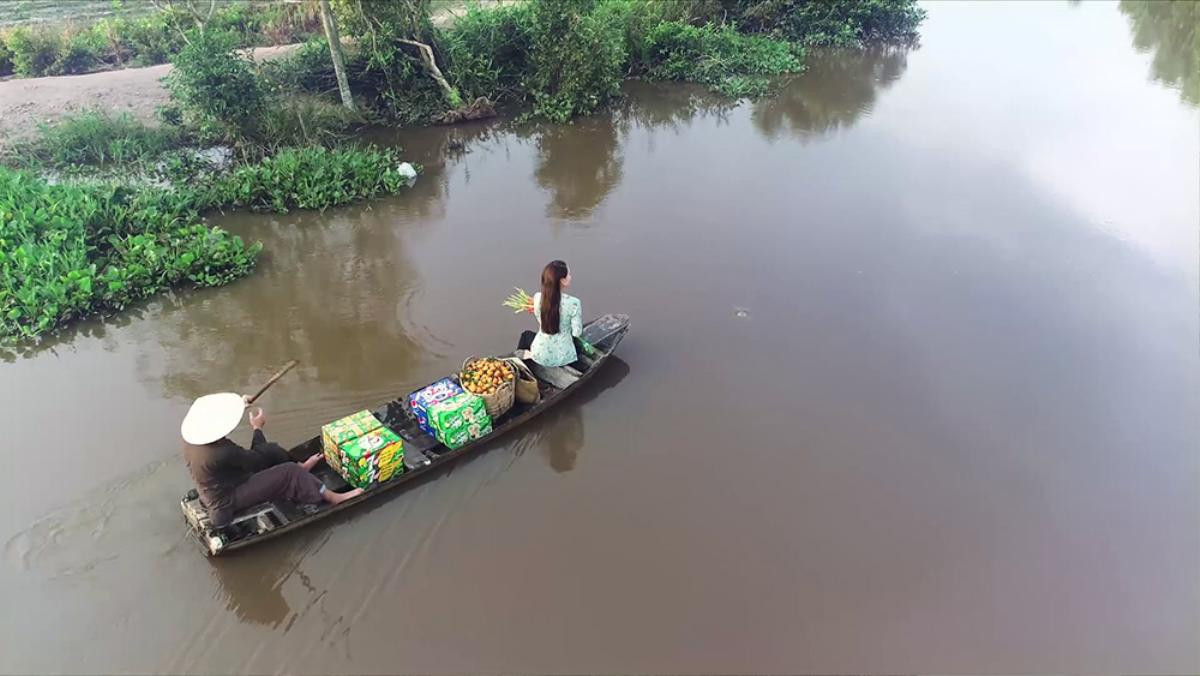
(407, 171)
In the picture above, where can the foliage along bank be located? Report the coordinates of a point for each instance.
(561, 58)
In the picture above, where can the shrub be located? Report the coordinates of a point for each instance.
(80, 52)
(397, 40)
(636, 18)
(170, 115)
(304, 119)
(216, 88)
(719, 57)
(824, 22)
(34, 52)
(148, 40)
(307, 69)
(408, 96)
(576, 58)
(6, 64)
(99, 139)
(487, 51)
(289, 23)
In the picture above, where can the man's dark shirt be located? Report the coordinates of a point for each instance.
(221, 466)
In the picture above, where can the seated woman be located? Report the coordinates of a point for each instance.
(560, 322)
(230, 478)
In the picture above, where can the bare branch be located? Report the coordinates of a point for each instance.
(168, 6)
(436, 73)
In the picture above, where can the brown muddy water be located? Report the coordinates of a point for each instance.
(912, 385)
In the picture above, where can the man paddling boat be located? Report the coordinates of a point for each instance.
(230, 478)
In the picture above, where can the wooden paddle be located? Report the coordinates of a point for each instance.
(278, 374)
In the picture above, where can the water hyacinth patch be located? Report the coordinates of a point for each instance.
(69, 251)
(311, 178)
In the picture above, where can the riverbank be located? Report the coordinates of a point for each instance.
(26, 103)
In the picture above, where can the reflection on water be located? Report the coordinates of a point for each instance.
(563, 434)
(253, 588)
(252, 582)
(578, 164)
(838, 87)
(1168, 28)
(341, 312)
(94, 327)
(435, 149)
(674, 107)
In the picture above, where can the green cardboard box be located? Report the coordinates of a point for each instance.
(466, 434)
(456, 413)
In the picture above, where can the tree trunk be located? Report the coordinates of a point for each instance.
(335, 52)
(431, 67)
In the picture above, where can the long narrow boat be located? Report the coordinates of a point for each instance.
(422, 453)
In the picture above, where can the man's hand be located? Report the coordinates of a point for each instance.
(258, 418)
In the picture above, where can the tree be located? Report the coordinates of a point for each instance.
(200, 12)
(1168, 30)
(387, 28)
(335, 52)
(577, 58)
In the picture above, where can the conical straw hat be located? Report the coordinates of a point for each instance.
(211, 417)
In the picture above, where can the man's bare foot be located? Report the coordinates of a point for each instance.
(311, 462)
(334, 498)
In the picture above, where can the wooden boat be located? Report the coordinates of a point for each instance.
(422, 453)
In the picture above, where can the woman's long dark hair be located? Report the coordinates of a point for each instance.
(552, 276)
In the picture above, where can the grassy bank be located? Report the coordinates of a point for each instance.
(146, 39)
(557, 59)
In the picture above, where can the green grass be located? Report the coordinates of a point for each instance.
(732, 63)
(99, 139)
(144, 38)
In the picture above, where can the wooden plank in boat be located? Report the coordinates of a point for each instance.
(561, 377)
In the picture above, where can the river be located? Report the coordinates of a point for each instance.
(912, 385)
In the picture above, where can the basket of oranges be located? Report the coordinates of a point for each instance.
(492, 380)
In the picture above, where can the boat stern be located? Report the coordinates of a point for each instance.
(199, 527)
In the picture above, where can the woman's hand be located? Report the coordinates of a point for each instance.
(258, 418)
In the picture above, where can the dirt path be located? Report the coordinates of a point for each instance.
(25, 102)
